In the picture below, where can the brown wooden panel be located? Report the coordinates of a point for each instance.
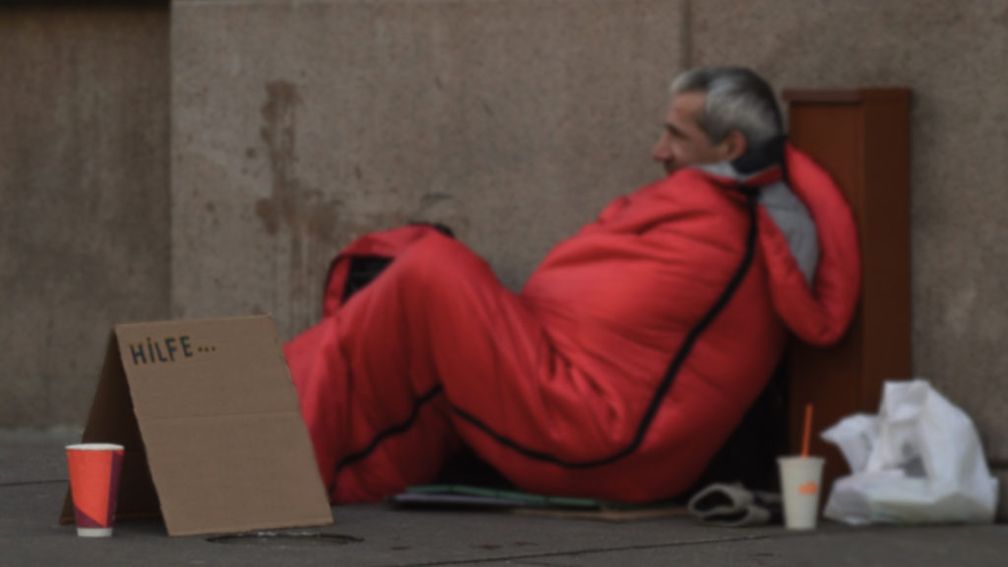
(843, 96)
(886, 247)
(833, 135)
(860, 136)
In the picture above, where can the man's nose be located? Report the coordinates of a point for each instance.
(662, 151)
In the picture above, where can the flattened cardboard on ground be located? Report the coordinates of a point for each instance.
(209, 417)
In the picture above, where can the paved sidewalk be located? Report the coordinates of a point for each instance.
(32, 486)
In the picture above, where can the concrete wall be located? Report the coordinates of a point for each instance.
(84, 191)
(512, 121)
(299, 124)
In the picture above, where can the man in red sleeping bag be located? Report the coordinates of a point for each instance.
(633, 350)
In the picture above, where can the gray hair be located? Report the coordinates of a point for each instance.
(737, 99)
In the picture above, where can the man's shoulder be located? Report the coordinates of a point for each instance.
(691, 187)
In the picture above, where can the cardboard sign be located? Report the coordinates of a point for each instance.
(214, 439)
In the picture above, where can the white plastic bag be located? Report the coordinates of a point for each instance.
(919, 460)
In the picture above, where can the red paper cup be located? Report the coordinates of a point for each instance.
(94, 484)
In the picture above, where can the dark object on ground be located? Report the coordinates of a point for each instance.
(364, 269)
(750, 455)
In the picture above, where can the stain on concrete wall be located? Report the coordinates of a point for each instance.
(303, 215)
(513, 122)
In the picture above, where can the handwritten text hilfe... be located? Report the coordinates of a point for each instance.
(166, 349)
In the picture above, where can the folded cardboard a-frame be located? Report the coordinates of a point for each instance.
(209, 418)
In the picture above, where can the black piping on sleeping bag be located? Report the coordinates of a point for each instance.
(751, 194)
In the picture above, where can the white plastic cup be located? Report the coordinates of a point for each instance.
(801, 478)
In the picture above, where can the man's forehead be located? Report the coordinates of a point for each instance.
(683, 110)
(687, 104)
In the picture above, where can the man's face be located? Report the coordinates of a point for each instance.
(683, 143)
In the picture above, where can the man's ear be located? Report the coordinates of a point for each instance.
(734, 145)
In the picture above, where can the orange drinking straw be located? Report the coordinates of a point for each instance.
(807, 430)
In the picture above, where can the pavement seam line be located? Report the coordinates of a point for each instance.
(589, 551)
(31, 482)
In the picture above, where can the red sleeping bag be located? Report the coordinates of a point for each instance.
(619, 370)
